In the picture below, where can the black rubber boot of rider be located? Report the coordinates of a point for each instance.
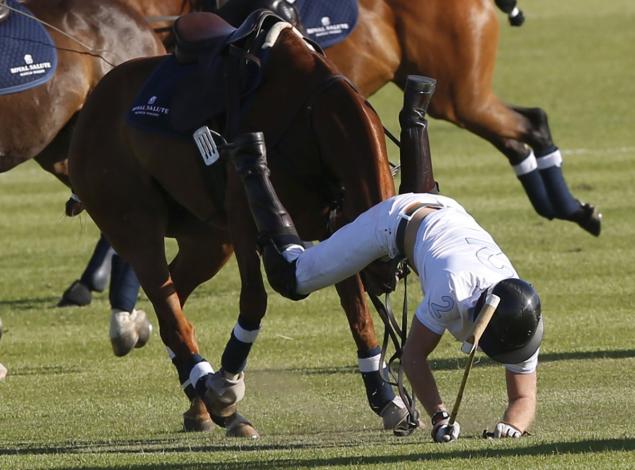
(415, 157)
(248, 153)
(276, 230)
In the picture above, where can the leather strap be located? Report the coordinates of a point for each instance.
(412, 227)
(401, 229)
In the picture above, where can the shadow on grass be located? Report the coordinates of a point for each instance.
(459, 362)
(37, 303)
(128, 447)
(46, 370)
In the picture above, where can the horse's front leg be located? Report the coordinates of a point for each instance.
(381, 397)
(217, 392)
(227, 386)
(202, 253)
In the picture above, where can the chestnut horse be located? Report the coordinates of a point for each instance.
(455, 42)
(140, 187)
(92, 37)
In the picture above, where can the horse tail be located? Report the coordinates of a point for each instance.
(515, 15)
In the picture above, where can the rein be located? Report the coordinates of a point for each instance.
(397, 334)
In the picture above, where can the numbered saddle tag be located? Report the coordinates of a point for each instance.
(204, 140)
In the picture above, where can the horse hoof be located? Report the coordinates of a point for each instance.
(197, 419)
(222, 393)
(394, 415)
(128, 331)
(143, 326)
(238, 426)
(3, 372)
(123, 332)
(77, 295)
(589, 218)
(197, 425)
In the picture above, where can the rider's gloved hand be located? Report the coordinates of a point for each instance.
(506, 430)
(503, 430)
(442, 431)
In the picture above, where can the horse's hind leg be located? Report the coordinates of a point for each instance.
(524, 137)
(141, 242)
(549, 163)
(94, 278)
(464, 96)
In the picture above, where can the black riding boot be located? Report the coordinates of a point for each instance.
(276, 231)
(416, 162)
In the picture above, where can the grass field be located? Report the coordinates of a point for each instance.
(69, 403)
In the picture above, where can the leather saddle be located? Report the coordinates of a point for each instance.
(228, 67)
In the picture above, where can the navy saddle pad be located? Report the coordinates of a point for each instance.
(327, 22)
(28, 57)
(152, 107)
(177, 98)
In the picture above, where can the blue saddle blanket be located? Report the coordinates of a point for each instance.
(152, 108)
(327, 22)
(27, 53)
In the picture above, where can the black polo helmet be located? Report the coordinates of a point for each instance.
(515, 331)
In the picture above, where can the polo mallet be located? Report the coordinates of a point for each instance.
(483, 319)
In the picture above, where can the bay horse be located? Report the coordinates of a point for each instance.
(140, 187)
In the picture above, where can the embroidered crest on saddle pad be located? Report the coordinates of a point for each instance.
(28, 56)
(327, 22)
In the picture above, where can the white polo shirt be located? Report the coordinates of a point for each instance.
(457, 260)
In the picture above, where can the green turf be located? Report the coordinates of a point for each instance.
(69, 403)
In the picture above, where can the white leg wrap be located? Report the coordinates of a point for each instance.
(369, 364)
(226, 391)
(549, 160)
(200, 370)
(128, 330)
(245, 336)
(528, 165)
